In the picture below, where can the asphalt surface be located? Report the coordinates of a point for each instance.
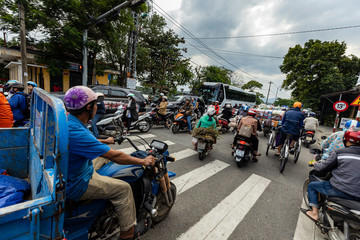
(271, 213)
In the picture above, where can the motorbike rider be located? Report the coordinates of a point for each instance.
(8, 91)
(310, 123)
(160, 99)
(30, 86)
(207, 120)
(162, 110)
(188, 108)
(292, 123)
(87, 154)
(335, 140)
(18, 103)
(255, 126)
(217, 107)
(227, 112)
(6, 115)
(344, 166)
(130, 113)
(99, 113)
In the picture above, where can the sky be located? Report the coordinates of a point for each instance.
(231, 18)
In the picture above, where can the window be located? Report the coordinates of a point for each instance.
(103, 91)
(118, 93)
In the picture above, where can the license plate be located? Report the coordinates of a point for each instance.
(240, 153)
(309, 138)
(201, 145)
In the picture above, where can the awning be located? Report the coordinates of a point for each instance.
(15, 64)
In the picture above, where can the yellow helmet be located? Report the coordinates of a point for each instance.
(297, 105)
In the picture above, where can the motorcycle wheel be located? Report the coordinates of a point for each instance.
(146, 127)
(307, 145)
(161, 206)
(201, 155)
(175, 128)
(305, 192)
(265, 134)
(241, 163)
(169, 122)
(354, 235)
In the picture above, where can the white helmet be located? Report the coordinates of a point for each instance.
(131, 95)
(211, 111)
(161, 94)
(164, 97)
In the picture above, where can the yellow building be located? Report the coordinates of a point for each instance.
(40, 74)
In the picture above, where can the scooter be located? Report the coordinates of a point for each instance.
(180, 122)
(154, 196)
(109, 125)
(156, 120)
(308, 138)
(143, 124)
(243, 151)
(339, 218)
(224, 124)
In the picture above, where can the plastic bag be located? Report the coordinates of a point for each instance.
(194, 140)
(12, 190)
(245, 131)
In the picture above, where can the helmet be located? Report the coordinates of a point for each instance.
(161, 94)
(352, 136)
(351, 124)
(17, 85)
(164, 97)
(246, 108)
(131, 95)
(8, 84)
(79, 96)
(297, 105)
(100, 96)
(31, 83)
(211, 111)
(228, 105)
(216, 101)
(312, 114)
(252, 112)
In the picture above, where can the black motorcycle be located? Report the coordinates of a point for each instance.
(308, 138)
(243, 151)
(157, 120)
(339, 218)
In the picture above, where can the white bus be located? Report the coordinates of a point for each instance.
(213, 91)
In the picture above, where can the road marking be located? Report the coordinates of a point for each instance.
(190, 179)
(141, 147)
(143, 136)
(183, 154)
(222, 220)
(306, 229)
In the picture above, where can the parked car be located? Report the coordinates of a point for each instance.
(180, 101)
(114, 94)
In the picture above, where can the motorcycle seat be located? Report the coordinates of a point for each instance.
(351, 204)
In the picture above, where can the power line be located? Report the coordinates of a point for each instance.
(282, 33)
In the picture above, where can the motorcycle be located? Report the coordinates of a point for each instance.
(156, 120)
(109, 125)
(224, 124)
(308, 138)
(154, 196)
(143, 124)
(180, 122)
(339, 218)
(243, 151)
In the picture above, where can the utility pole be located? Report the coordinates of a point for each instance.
(24, 74)
(267, 97)
(133, 48)
(277, 90)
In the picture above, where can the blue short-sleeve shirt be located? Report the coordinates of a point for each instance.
(83, 148)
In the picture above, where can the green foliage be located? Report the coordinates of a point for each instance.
(251, 85)
(258, 98)
(318, 68)
(283, 101)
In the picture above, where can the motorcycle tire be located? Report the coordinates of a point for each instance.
(241, 163)
(305, 192)
(161, 206)
(265, 134)
(169, 122)
(201, 155)
(175, 128)
(354, 234)
(307, 145)
(145, 128)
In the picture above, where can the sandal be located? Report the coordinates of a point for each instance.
(277, 154)
(141, 228)
(304, 211)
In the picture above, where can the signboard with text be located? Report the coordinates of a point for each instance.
(340, 106)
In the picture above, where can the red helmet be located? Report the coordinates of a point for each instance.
(352, 136)
(252, 112)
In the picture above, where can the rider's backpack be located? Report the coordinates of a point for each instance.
(245, 131)
(26, 111)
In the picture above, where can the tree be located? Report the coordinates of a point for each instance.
(216, 74)
(283, 101)
(258, 98)
(251, 85)
(318, 68)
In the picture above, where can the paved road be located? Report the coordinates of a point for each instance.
(217, 200)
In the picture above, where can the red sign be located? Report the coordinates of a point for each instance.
(340, 106)
(356, 102)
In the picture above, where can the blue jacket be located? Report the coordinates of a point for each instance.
(292, 121)
(18, 104)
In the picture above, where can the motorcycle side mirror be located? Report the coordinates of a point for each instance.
(323, 137)
(315, 151)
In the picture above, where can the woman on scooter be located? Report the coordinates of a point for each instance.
(207, 120)
(344, 166)
(162, 110)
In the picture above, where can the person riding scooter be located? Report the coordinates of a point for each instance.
(188, 107)
(344, 166)
(227, 112)
(84, 151)
(130, 114)
(255, 126)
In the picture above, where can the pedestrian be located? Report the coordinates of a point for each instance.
(99, 113)
(130, 113)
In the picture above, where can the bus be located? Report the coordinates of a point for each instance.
(214, 91)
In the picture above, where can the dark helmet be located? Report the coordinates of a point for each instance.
(18, 85)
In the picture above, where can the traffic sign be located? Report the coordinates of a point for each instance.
(340, 106)
(356, 102)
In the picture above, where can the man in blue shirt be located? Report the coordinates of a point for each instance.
(84, 151)
(18, 103)
(292, 123)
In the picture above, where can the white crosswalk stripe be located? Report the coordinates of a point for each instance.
(222, 220)
(190, 179)
(183, 154)
(143, 136)
(142, 147)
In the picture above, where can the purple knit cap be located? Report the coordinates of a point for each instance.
(77, 97)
